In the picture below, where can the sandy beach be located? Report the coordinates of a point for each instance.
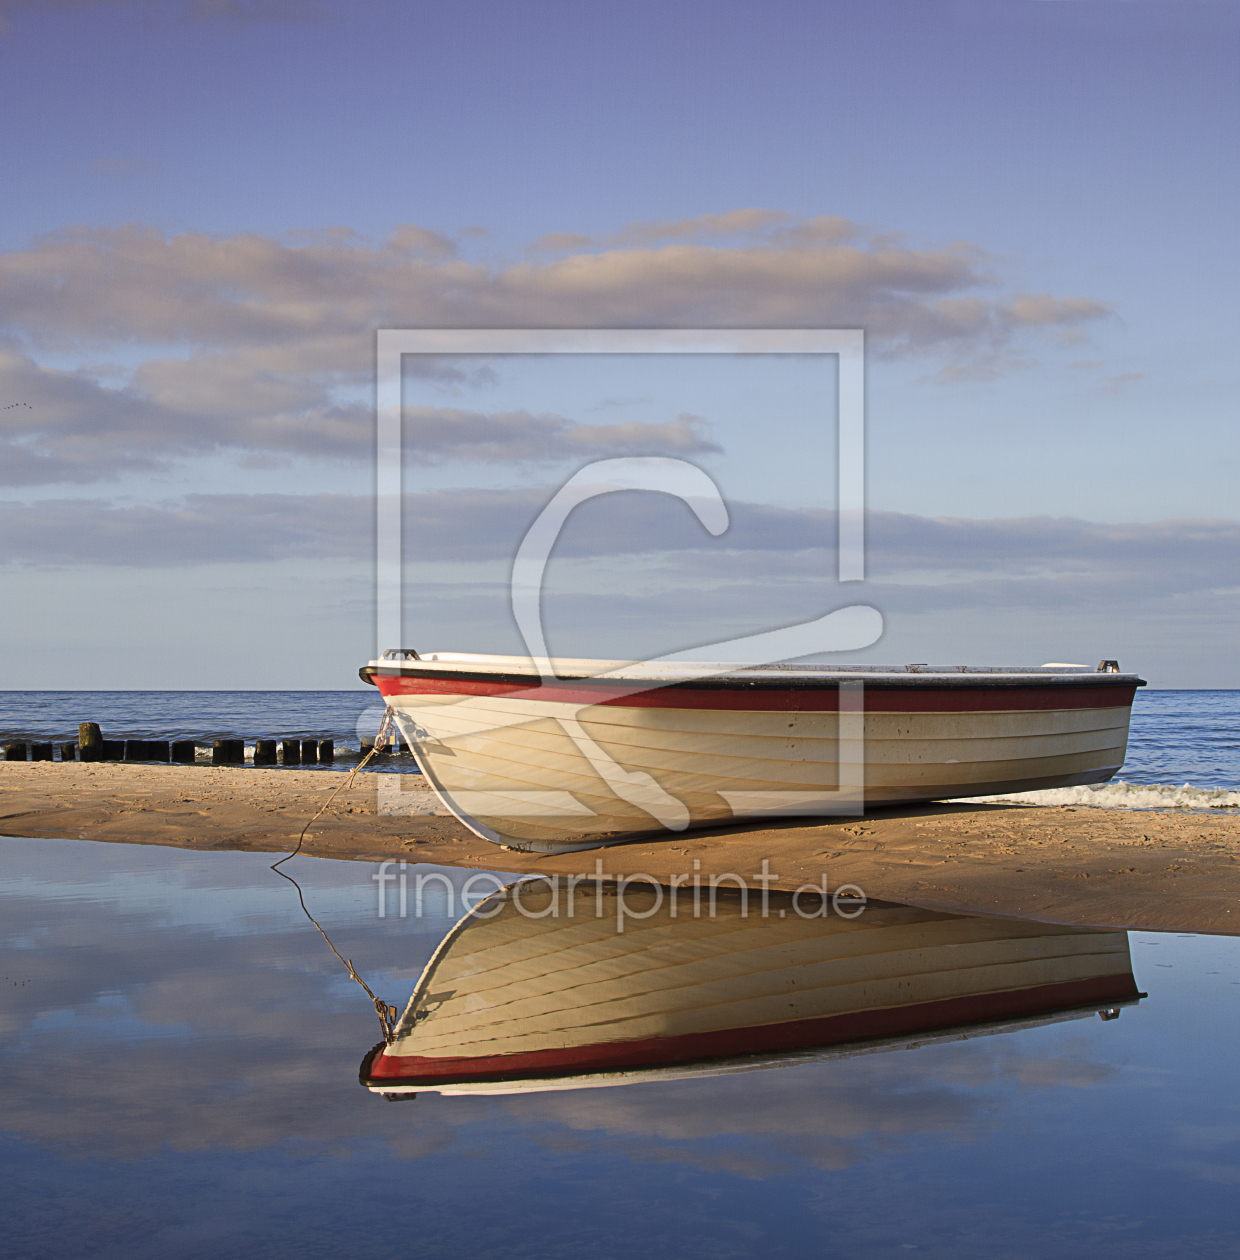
(1157, 870)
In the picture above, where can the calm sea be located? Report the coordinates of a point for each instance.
(1178, 737)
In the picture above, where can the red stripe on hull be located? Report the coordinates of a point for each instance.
(803, 1034)
(803, 700)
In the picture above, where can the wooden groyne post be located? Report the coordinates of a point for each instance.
(91, 746)
(90, 742)
(228, 752)
(146, 750)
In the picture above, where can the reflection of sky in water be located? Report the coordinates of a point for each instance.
(180, 1071)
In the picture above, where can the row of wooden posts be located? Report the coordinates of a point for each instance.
(91, 746)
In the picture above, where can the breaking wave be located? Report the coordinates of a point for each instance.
(1121, 795)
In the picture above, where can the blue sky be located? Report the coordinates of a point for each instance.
(213, 203)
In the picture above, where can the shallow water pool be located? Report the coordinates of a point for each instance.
(181, 1054)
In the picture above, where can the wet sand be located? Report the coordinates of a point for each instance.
(1158, 870)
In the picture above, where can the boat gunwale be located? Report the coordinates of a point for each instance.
(640, 1053)
(726, 1064)
(804, 680)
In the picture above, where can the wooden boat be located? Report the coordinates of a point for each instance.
(510, 1002)
(599, 751)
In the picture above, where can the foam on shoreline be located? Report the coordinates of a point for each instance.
(1122, 795)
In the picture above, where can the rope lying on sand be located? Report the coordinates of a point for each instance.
(386, 1013)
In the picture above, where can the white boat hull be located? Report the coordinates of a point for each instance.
(586, 767)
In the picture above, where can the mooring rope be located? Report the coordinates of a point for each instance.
(386, 1013)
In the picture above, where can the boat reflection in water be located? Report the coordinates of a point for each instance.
(522, 996)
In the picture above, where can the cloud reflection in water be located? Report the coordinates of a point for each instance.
(165, 1008)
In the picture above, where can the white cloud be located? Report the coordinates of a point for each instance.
(104, 286)
(733, 223)
(272, 329)
(202, 529)
(771, 556)
(66, 427)
(436, 434)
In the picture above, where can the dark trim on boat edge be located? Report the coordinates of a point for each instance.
(730, 682)
(820, 1032)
